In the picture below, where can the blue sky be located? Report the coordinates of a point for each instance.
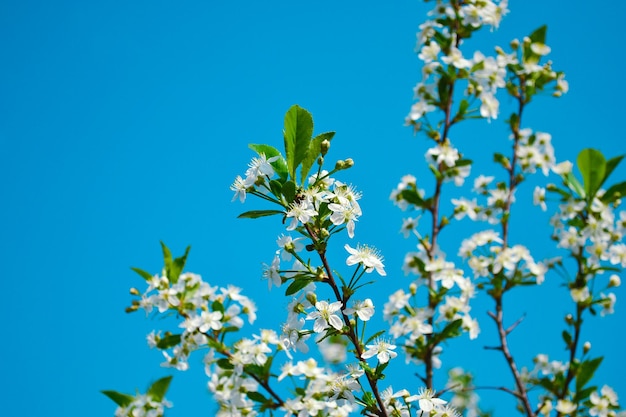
(124, 123)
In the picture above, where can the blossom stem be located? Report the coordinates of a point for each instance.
(351, 333)
(498, 317)
(522, 394)
(573, 347)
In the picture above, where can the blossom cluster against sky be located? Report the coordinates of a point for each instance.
(124, 123)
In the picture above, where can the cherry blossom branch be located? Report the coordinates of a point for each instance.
(504, 347)
(472, 389)
(573, 347)
(498, 294)
(351, 334)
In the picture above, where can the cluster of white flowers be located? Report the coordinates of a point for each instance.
(448, 157)
(408, 183)
(484, 74)
(496, 200)
(600, 236)
(535, 151)
(602, 403)
(259, 170)
(205, 310)
(595, 232)
(228, 380)
(143, 405)
(486, 257)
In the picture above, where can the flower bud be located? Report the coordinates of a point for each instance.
(527, 41)
(319, 274)
(349, 163)
(444, 221)
(569, 319)
(134, 291)
(586, 347)
(324, 146)
(311, 297)
(413, 288)
(614, 281)
(514, 43)
(324, 233)
(339, 165)
(320, 161)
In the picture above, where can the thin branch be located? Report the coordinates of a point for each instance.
(514, 325)
(351, 334)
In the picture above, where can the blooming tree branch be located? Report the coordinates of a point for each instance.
(294, 369)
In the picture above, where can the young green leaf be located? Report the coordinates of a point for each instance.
(586, 371)
(280, 165)
(412, 197)
(573, 184)
(592, 166)
(297, 285)
(611, 164)
(168, 341)
(159, 388)
(167, 259)
(120, 399)
(256, 397)
(254, 214)
(313, 152)
(145, 275)
(178, 264)
(289, 191)
(539, 35)
(297, 134)
(614, 192)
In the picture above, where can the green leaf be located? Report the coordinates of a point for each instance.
(584, 394)
(567, 338)
(145, 275)
(168, 341)
(179, 264)
(463, 162)
(463, 106)
(297, 285)
(289, 191)
(412, 197)
(586, 371)
(159, 388)
(280, 165)
(502, 160)
(539, 35)
(167, 260)
(224, 364)
(614, 192)
(257, 397)
(217, 306)
(573, 184)
(611, 164)
(173, 267)
(118, 398)
(254, 214)
(313, 152)
(442, 88)
(452, 329)
(297, 134)
(592, 166)
(276, 187)
(374, 336)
